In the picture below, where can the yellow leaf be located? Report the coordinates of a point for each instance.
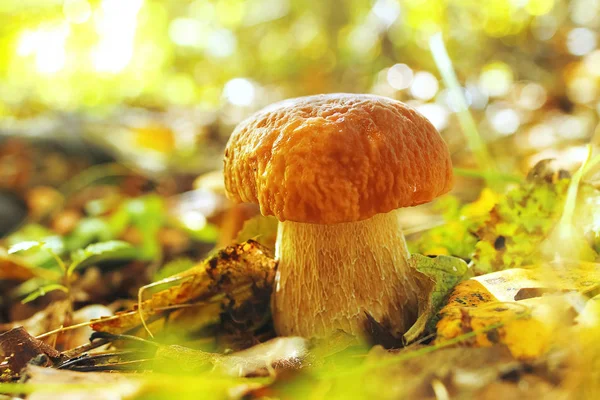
(155, 137)
(528, 327)
(483, 205)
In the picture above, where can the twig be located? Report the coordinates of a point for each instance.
(95, 357)
(93, 344)
(120, 366)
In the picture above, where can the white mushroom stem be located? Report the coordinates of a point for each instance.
(329, 276)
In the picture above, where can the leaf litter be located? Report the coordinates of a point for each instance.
(228, 286)
(507, 331)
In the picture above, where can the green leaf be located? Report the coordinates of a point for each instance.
(260, 228)
(39, 234)
(39, 253)
(119, 221)
(89, 230)
(519, 223)
(104, 251)
(43, 290)
(24, 246)
(29, 232)
(148, 214)
(446, 272)
(488, 175)
(173, 267)
(209, 233)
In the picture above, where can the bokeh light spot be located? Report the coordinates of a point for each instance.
(116, 24)
(48, 44)
(496, 79)
(400, 76)
(387, 11)
(186, 32)
(239, 92)
(531, 96)
(541, 136)
(582, 89)
(592, 63)
(455, 101)
(221, 43)
(581, 41)
(544, 27)
(504, 120)
(424, 86)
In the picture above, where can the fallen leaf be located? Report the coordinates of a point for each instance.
(224, 283)
(461, 371)
(582, 277)
(13, 270)
(43, 321)
(486, 305)
(154, 137)
(19, 347)
(445, 272)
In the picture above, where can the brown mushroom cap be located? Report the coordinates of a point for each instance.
(336, 158)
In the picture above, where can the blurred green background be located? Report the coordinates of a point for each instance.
(164, 82)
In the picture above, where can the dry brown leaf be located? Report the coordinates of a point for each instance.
(19, 347)
(43, 321)
(232, 277)
(12, 270)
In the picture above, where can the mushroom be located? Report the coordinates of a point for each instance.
(334, 169)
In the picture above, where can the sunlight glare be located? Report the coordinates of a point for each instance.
(116, 25)
(48, 45)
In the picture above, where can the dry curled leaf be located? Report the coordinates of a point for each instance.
(19, 347)
(237, 277)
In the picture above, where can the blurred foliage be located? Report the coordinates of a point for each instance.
(529, 69)
(517, 228)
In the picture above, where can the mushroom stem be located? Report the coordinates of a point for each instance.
(330, 276)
